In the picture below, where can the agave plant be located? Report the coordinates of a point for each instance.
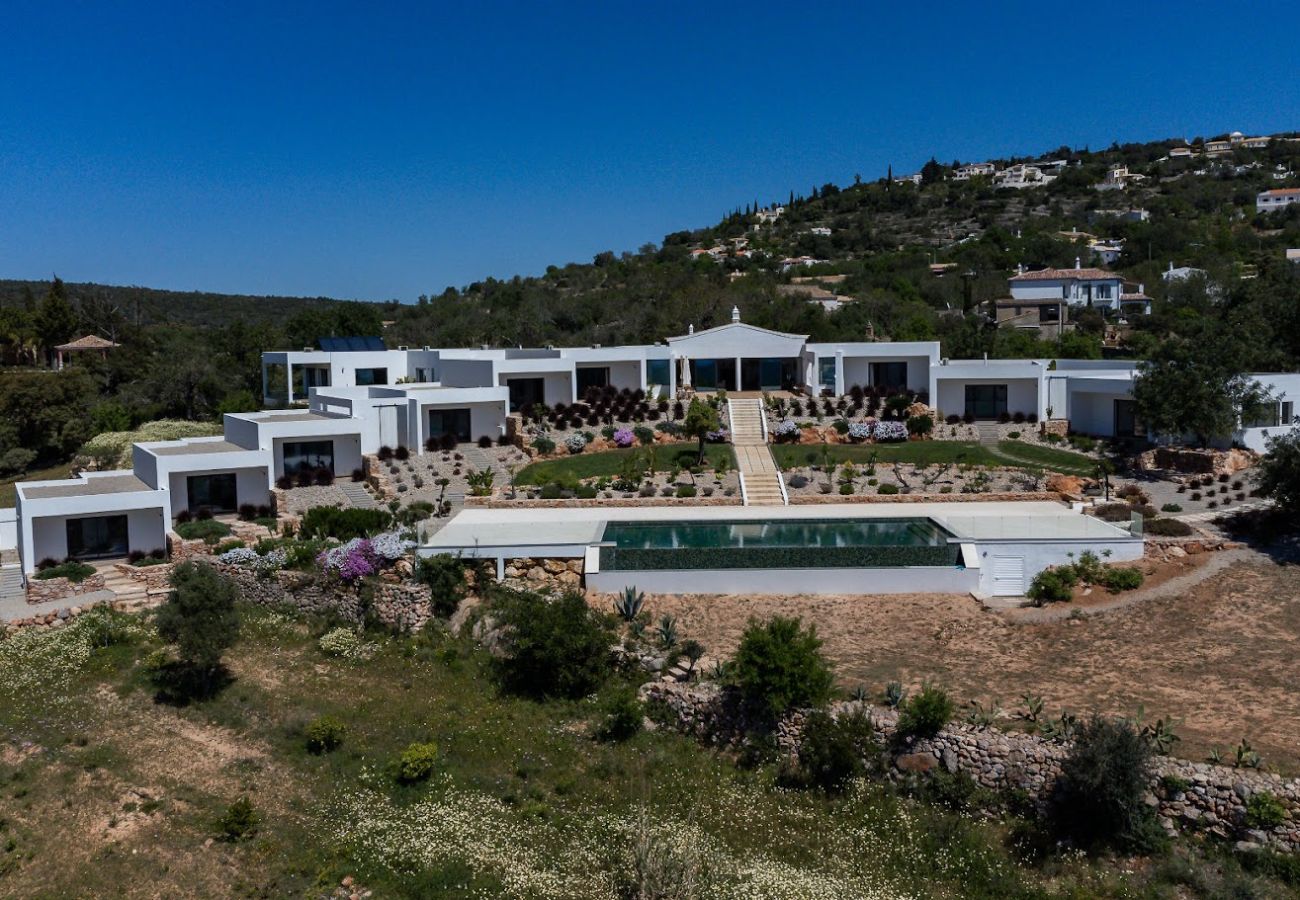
(859, 694)
(1246, 757)
(629, 603)
(667, 632)
(1161, 736)
(1060, 729)
(1033, 710)
(983, 715)
(895, 694)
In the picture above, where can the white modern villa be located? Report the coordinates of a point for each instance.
(350, 398)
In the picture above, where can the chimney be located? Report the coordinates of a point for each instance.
(1171, 265)
(735, 313)
(1020, 268)
(690, 329)
(1078, 263)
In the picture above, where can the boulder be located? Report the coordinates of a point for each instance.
(917, 763)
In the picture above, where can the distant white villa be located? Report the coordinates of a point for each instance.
(358, 396)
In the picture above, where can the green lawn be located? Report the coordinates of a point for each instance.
(921, 453)
(926, 453)
(9, 494)
(1067, 462)
(608, 463)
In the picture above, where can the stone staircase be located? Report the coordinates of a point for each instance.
(11, 584)
(130, 593)
(762, 479)
(989, 433)
(357, 494)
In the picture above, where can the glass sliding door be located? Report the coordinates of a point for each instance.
(214, 492)
(300, 455)
(889, 374)
(97, 537)
(986, 401)
(592, 377)
(450, 421)
(525, 393)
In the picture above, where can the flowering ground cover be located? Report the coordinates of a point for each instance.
(522, 802)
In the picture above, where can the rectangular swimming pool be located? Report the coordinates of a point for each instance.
(776, 544)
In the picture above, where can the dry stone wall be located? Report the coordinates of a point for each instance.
(44, 590)
(1187, 796)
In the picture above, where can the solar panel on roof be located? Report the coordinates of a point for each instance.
(343, 344)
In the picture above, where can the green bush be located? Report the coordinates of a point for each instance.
(888, 489)
(1052, 585)
(1264, 811)
(779, 666)
(924, 714)
(416, 763)
(920, 426)
(1171, 508)
(343, 524)
(846, 488)
(239, 821)
(1099, 797)
(621, 716)
(325, 735)
(444, 575)
(199, 616)
(834, 750)
(74, 571)
(685, 490)
(1127, 578)
(208, 530)
(544, 445)
(1167, 528)
(557, 646)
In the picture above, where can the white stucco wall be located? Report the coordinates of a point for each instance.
(146, 531)
(1022, 395)
(857, 370)
(1039, 555)
(8, 528)
(250, 487)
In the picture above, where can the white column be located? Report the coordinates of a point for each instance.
(839, 373)
(644, 383)
(739, 383)
(672, 377)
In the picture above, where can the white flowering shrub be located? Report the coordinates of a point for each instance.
(345, 643)
(889, 431)
(240, 556)
(575, 443)
(859, 431)
(391, 546)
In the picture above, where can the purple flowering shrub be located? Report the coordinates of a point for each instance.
(624, 437)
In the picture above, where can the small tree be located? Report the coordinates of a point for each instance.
(1195, 387)
(1100, 795)
(444, 575)
(779, 666)
(199, 617)
(701, 418)
(1278, 475)
(834, 751)
(557, 647)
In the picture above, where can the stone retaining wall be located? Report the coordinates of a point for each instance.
(561, 574)
(43, 590)
(502, 503)
(400, 605)
(152, 577)
(1039, 496)
(1213, 799)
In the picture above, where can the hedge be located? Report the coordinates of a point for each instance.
(630, 559)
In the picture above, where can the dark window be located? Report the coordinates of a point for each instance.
(889, 374)
(450, 421)
(704, 374)
(97, 537)
(592, 377)
(1126, 422)
(367, 377)
(308, 455)
(986, 401)
(216, 492)
(525, 393)
(658, 371)
(826, 372)
(1049, 313)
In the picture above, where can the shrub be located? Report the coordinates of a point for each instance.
(1171, 508)
(834, 750)
(621, 716)
(887, 489)
(685, 490)
(322, 476)
(199, 616)
(208, 530)
(325, 735)
(358, 475)
(247, 512)
(444, 575)
(924, 714)
(284, 483)
(575, 443)
(1264, 811)
(846, 488)
(544, 445)
(76, 572)
(343, 524)
(1099, 798)
(1167, 528)
(779, 666)
(239, 821)
(557, 647)
(1052, 585)
(920, 426)
(1128, 578)
(1113, 512)
(887, 432)
(416, 763)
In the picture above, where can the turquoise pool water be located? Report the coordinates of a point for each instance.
(776, 544)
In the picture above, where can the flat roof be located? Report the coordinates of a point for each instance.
(77, 487)
(194, 448)
(979, 520)
(296, 417)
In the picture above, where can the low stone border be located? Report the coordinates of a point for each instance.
(53, 619)
(575, 503)
(1213, 801)
(45, 590)
(1008, 496)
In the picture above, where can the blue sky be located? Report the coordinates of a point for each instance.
(385, 150)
